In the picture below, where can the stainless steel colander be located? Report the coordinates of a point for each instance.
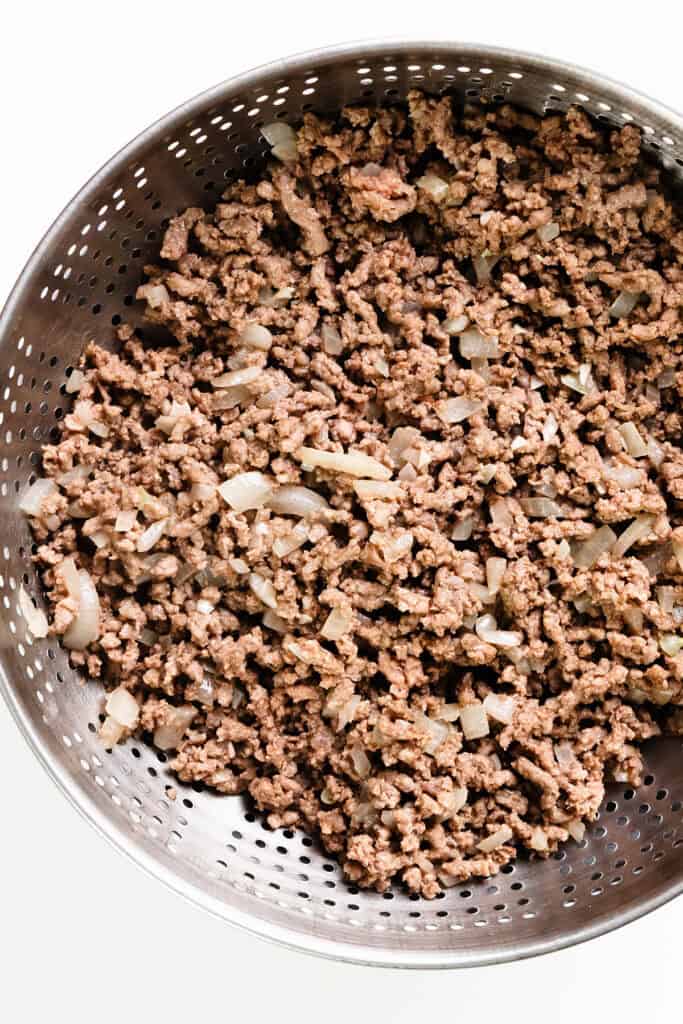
(79, 283)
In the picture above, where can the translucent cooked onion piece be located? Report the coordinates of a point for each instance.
(455, 410)
(671, 644)
(475, 345)
(238, 378)
(455, 324)
(550, 428)
(271, 620)
(402, 439)
(85, 627)
(499, 708)
(110, 732)
(337, 624)
(35, 618)
(125, 521)
(665, 599)
(352, 463)
(635, 445)
(168, 736)
(75, 382)
(538, 840)
(123, 707)
(581, 382)
(587, 552)
(259, 337)
(487, 630)
(285, 545)
(32, 499)
(152, 535)
(639, 528)
(292, 500)
(576, 829)
(246, 491)
(433, 185)
(371, 490)
(621, 474)
(498, 838)
(332, 340)
(463, 530)
(624, 304)
(281, 138)
(437, 732)
(483, 266)
(474, 721)
(548, 232)
(361, 761)
(263, 589)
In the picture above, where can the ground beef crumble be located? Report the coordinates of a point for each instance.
(358, 672)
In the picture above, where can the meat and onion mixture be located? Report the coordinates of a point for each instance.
(388, 531)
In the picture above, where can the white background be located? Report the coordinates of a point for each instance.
(85, 936)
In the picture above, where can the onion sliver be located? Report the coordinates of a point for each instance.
(433, 185)
(496, 839)
(455, 410)
(500, 708)
(85, 627)
(152, 535)
(32, 500)
(169, 735)
(633, 441)
(589, 551)
(638, 529)
(123, 707)
(353, 463)
(474, 721)
(35, 618)
(246, 491)
(296, 501)
(263, 589)
(473, 344)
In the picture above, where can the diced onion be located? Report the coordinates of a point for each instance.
(263, 589)
(538, 840)
(633, 441)
(110, 732)
(483, 265)
(402, 439)
(495, 570)
(665, 599)
(205, 607)
(99, 538)
(473, 344)
(474, 721)
(285, 151)
(540, 508)
(169, 735)
(125, 521)
(156, 295)
(455, 410)
(671, 644)
(463, 529)
(550, 428)
(582, 382)
(369, 490)
(621, 474)
(230, 398)
(296, 501)
(455, 325)
(360, 760)
(480, 592)
(74, 383)
(624, 304)
(283, 546)
(487, 630)
(639, 528)
(548, 232)
(353, 463)
(435, 730)
(123, 707)
(501, 516)
(337, 624)
(498, 838)
(576, 829)
(275, 300)
(99, 429)
(435, 186)
(35, 618)
(148, 637)
(238, 378)
(152, 535)
(449, 713)
(246, 491)
(85, 627)
(257, 336)
(587, 552)
(633, 617)
(277, 132)
(32, 500)
(499, 708)
(271, 620)
(332, 340)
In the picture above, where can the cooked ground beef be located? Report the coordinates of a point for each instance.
(440, 664)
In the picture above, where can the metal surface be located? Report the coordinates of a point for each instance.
(212, 849)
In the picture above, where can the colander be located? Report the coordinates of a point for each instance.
(77, 286)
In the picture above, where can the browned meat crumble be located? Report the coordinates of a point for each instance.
(444, 661)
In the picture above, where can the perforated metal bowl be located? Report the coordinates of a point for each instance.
(80, 281)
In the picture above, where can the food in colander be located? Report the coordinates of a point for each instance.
(387, 532)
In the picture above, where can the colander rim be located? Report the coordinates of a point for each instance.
(79, 798)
